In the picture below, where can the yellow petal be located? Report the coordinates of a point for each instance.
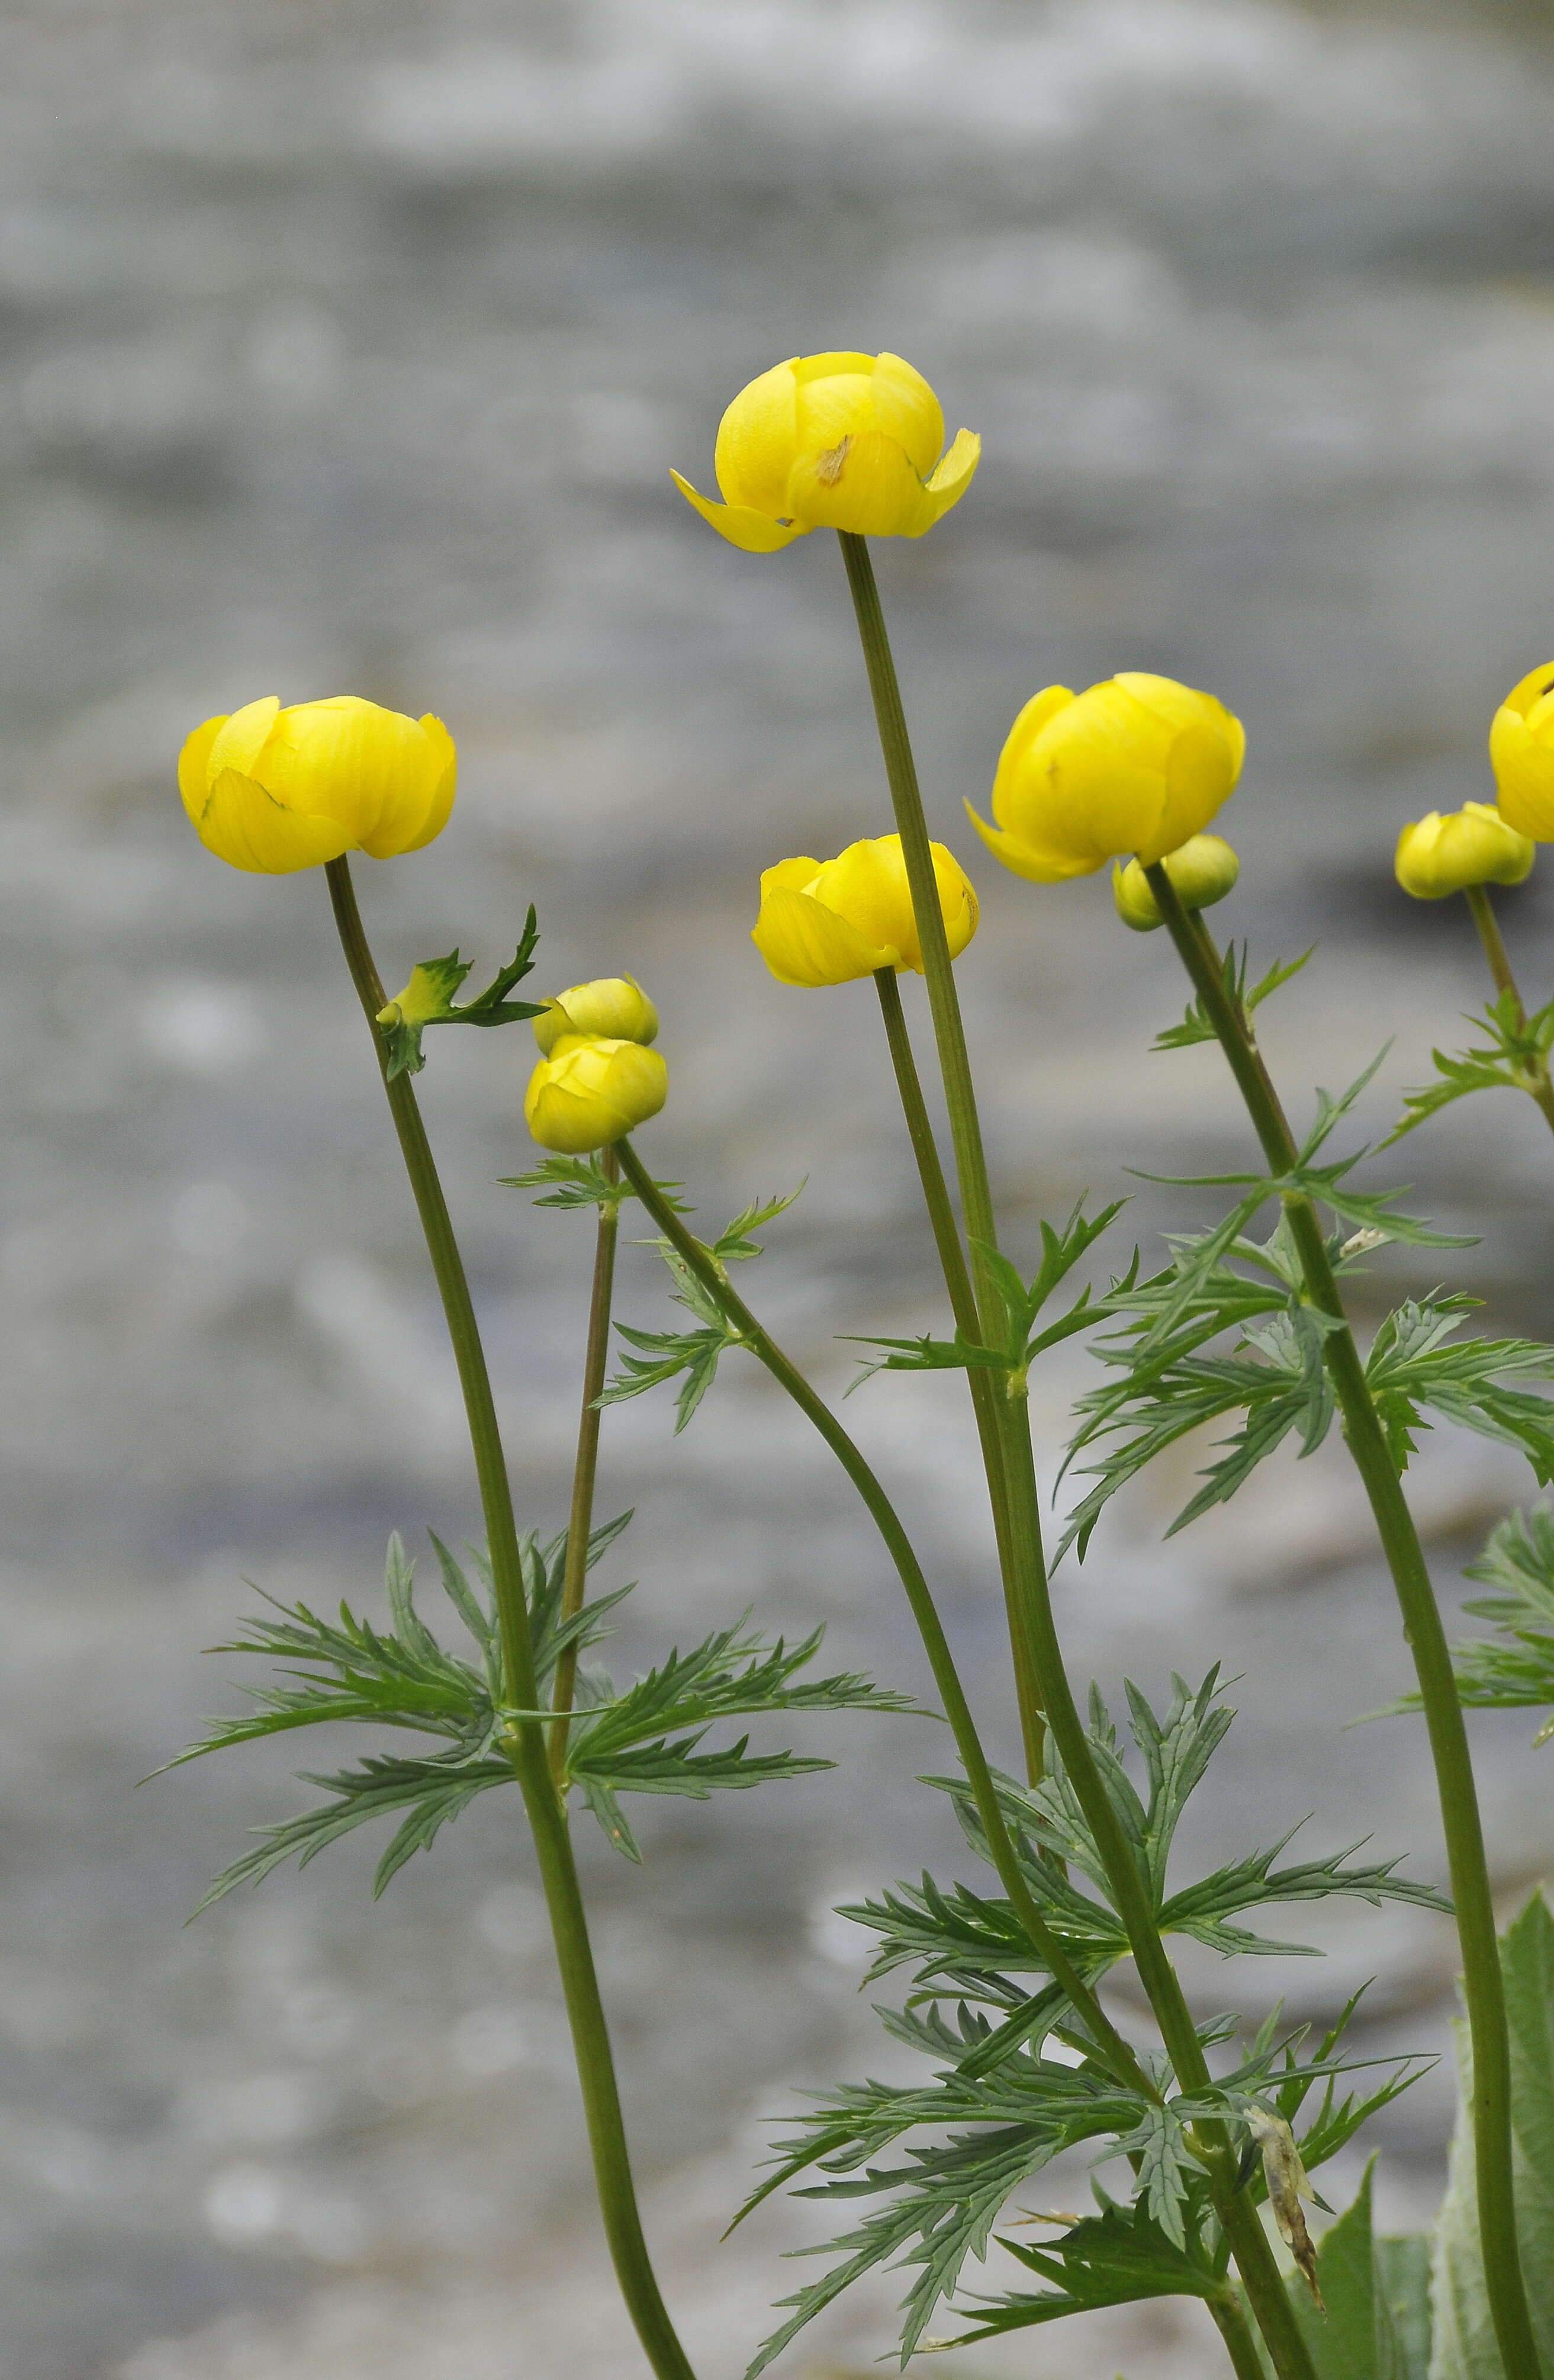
(194, 777)
(750, 531)
(1009, 783)
(240, 739)
(1038, 864)
(947, 485)
(757, 440)
(441, 777)
(796, 875)
(249, 829)
(347, 758)
(1524, 770)
(906, 408)
(865, 484)
(1531, 693)
(806, 944)
(867, 885)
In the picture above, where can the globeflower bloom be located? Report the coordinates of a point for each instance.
(1522, 754)
(271, 790)
(838, 441)
(853, 916)
(587, 1092)
(1437, 856)
(613, 1008)
(1134, 766)
(1202, 871)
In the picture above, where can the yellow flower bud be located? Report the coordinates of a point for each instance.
(1473, 845)
(587, 1092)
(853, 916)
(1135, 766)
(271, 790)
(615, 1008)
(1522, 754)
(834, 441)
(1202, 871)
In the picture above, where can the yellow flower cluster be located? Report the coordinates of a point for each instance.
(1437, 856)
(271, 790)
(853, 916)
(1201, 872)
(845, 441)
(596, 1077)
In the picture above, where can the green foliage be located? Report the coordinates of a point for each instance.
(649, 1738)
(1377, 2324)
(1017, 1343)
(1168, 1379)
(1464, 2343)
(1017, 2079)
(428, 999)
(1194, 1025)
(1514, 1057)
(1514, 1671)
(692, 1356)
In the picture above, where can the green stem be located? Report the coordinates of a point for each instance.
(1234, 2329)
(941, 1660)
(1022, 1535)
(1477, 896)
(1247, 2239)
(1038, 1659)
(558, 1871)
(574, 1576)
(1482, 1984)
(985, 1389)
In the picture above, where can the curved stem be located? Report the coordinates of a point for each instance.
(941, 1660)
(1242, 2226)
(986, 1388)
(1020, 1538)
(1483, 1986)
(563, 1896)
(1477, 897)
(574, 1577)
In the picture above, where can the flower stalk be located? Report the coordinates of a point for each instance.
(1482, 1983)
(580, 1523)
(1535, 1079)
(524, 1744)
(1249, 2241)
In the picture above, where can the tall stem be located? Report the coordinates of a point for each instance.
(1249, 2241)
(563, 1896)
(941, 1660)
(1020, 1538)
(1482, 1983)
(1477, 896)
(574, 1576)
(985, 1389)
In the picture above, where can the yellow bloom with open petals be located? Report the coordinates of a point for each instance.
(1439, 856)
(842, 441)
(1132, 767)
(589, 1092)
(831, 923)
(271, 790)
(612, 1008)
(1202, 871)
(1522, 754)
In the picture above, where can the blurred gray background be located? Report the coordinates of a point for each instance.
(346, 346)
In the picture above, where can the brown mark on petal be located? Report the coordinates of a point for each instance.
(828, 466)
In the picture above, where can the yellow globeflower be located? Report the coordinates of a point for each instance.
(1522, 753)
(271, 790)
(834, 441)
(853, 916)
(587, 1092)
(613, 1008)
(1203, 869)
(1473, 845)
(1134, 766)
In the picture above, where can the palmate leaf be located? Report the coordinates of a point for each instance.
(1515, 1669)
(691, 1357)
(648, 1739)
(1515, 1058)
(1117, 2257)
(1195, 1025)
(1412, 1369)
(577, 1183)
(428, 999)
